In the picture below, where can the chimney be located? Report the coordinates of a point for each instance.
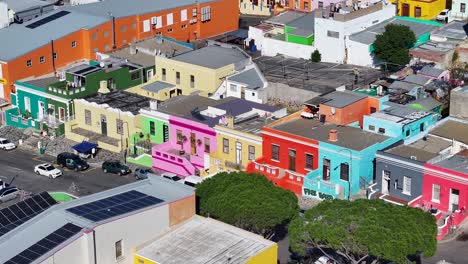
(103, 87)
(333, 135)
(133, 49)
(230, 121)
(154, 105)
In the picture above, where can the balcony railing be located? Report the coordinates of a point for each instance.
(66, 89)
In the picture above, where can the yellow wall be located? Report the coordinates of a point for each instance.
(269, 256)
(429, 9)
(112, 115)
(233, 136)
(206, 80)
(245, 7)
(141, 260)
(162, 95)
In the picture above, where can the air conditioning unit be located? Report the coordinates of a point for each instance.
(414, 158)
(154, 20)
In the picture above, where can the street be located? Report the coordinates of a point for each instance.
(20, 163)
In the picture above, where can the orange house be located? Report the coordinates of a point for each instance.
(47, 43)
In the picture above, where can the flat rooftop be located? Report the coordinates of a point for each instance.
(417, 79)
(252, 126)
(43, 82)
(419, 28)
(124, 101)
(318, 77)
(341, 99)
(304, 24)
(455, 30)
(205, 241)
(184, 104)
(421, 150)
(456, 163)
(213, 56)
(250, 77)
(23, 5)
(315, 130)
(285, 17)
(452, 129)
(157, 86)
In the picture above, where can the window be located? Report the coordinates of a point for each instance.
(251, 152)
(233, 88)
(152, 128)
(192, 81)
(407, 133)
(177, 76)
(275, 152)
(373, 110)
(333, 34)
(407, 185)
(169, 30)
(163, 73)
(118, 249)
(87, 114)
(207, 145)
(417, 11)
(326, 170)
(225, 145)
(119, 125)
(61, 114)
(435, 192)
(27, 104)
(371, 127)
(306, 6)
(73, 44)
(123, 28)
(320, 4)
(194, 12)
(106, 34)
(462, 8)
(179, 136)
(344, 172)
(133, 26)
(205, 14)
(421, 127)
(54, 55)
(106, 47)
(184, 26)
(183, 15)
(309, 161)
(94, 36)
(381, 130)
(169, 19)
(135, 75)
(41, 59)
(29, 63)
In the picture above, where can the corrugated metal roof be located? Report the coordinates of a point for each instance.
(431, 71)
(417, 79)
(457, 30)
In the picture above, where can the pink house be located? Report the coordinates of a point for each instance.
(434, 73)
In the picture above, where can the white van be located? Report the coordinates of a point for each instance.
(192, 180)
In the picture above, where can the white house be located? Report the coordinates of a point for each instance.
(459, 10)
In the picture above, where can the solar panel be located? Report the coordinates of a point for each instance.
(47, 19)
(15, 215)
(114, 206)
(45, 245)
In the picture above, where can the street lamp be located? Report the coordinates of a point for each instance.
(350, 192)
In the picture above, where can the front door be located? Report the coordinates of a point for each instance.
(292, 160)
(405, 10)
(326, 169)
(454, 195)
(386, 182)
(41, 110)
(238, 152)
(193, 143)
(104, 125)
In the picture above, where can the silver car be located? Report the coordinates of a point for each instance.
(8, 193)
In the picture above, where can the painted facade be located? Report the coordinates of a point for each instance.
(82, 42)
(426, 9)
(459, 11)
(257, 8)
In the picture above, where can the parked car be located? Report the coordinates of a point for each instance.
(48, 170)
(443, 15)
(192, 180)
(6, 144)
(172, 177)
(114, 166)
(9, 193)
(71, 161)
(143, 173)
(324, 260)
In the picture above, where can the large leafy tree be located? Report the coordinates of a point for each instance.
(365, 230)
(248, 201)
(393, 45)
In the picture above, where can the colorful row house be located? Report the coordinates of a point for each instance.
(316, 153)
(431, 174)
(193, 137)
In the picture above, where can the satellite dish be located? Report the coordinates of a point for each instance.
(333, 110)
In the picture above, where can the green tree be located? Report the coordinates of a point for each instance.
(316, 56)
(248, 201)
(393, 45)
(365, 230)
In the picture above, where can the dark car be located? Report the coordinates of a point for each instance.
(115, 167)
(142, 173)
(71, 161)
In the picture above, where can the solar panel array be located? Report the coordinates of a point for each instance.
(47, 19)
(45, 245)
(17, 214)
(114, 206)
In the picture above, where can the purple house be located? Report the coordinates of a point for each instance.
(192, 136)
(434, 73)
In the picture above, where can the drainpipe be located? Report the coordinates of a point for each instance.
(53, 60)
(113, 30)
(94, 246)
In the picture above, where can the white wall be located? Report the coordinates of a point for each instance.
(273, 47)
(455, 13)
(78, 252)
(358, 54)
(4, 20)
(257, 35)
(230, 92)
(252, 95)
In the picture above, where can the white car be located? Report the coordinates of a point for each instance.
(324, 260)
(443, 16)
(172, 177)
(48, 170)
(6, 144)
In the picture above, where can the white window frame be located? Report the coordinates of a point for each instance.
(233, 88)
(183, 15)
(73, 44)
(169, 19)
(433, 192)
(205, 13)
(194, 12)
(279, 149)
(27, 104)
(406, 185)
(146, 25)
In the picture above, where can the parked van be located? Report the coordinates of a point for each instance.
(192, 180)
(71, 161)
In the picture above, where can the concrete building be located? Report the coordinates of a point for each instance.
(458, 105)
(210, 241)
(78, 32)
(99, 228)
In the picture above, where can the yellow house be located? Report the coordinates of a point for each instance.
(211, 241)
(202, 70)
(422, 9)
(156, 90)
(108, 119)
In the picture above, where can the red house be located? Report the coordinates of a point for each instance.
(286, 158)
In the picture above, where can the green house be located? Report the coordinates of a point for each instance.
(301, 30)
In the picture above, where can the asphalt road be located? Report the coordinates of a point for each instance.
(454, 251)
(20, 163)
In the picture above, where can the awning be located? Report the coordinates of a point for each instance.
(84, 147)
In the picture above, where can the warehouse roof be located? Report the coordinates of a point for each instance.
(23, 5)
